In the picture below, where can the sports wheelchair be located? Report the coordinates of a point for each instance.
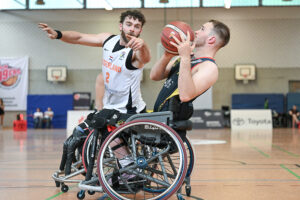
(161, 159)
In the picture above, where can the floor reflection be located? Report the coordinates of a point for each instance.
(260, 138)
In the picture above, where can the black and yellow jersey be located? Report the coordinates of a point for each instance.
(170, 87)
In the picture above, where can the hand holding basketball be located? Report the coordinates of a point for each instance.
(184, 46)
(178, 30)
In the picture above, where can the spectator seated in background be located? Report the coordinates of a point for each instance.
(38, 118)
(294, 116)
(48, 116)
(1, 113)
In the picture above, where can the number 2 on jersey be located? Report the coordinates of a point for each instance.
(107, 77)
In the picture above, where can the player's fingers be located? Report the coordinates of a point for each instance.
(193, 46)
(182, 37)
(174, 44)
(46, 29)
(176, 39)
(128, 36)
(136, 46)
(188, 36)
(42, 24)
(130, 43)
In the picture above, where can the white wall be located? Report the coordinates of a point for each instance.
(267, 37)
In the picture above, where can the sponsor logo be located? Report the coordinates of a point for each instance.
(217, 114)
(238, 121)
(78, 96)
(250, 121)
(9, 76)
(207, 114)
(122, 55)
(171, 35)
(197, 120)
(213, 124)
(110, 58)
(168, 83)
(150, 127)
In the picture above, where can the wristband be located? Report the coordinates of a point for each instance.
(59, 34)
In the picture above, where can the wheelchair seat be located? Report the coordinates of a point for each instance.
(165, 117)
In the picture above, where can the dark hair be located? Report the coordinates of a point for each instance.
(133, 13)
(222, 31)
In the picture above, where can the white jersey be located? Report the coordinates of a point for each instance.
(122, 85)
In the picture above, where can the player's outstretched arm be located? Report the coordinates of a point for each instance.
(74, 37)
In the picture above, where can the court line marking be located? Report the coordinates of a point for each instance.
(197, 198)
(283, 150)
(290, 171)
(258, 150)
(56, 195)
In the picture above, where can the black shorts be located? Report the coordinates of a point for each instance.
(1, 111)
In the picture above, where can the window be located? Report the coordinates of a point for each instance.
(57, 4)
(281, 3)
(113, 3)
(237, 3)
(172, 3)
(12, 4)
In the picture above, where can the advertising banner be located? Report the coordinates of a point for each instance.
(81, 100)
(14, 83)
(251, 119)
(205, 119)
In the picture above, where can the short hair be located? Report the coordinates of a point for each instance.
(222, 31)
(133, 13)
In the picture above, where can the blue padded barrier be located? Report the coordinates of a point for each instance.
(256, 101)
(60, 104)
(293, 99)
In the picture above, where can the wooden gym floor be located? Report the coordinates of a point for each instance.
(243, 165)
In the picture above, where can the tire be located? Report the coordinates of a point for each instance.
(158, 154)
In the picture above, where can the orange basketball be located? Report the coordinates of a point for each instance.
(173, 29)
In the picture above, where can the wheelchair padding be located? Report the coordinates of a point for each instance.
(182, 125)
(164, 117)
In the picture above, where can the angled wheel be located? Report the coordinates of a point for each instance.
(190, 156)
(64, 188)
(156, 161)
(86, 150)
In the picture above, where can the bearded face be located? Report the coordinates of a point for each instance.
(130, 26)
(123, 35)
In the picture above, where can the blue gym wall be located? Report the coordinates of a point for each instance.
(60, 104)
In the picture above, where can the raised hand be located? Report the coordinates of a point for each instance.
(184, 46)
(134, 42)
(50, 31)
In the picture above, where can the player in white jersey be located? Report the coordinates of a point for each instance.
(131, 23)
(124, 56)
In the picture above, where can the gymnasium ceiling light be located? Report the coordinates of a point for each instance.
(227, 4)
(107, 5)
(40, 2)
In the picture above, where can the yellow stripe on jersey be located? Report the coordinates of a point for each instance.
(175, 93)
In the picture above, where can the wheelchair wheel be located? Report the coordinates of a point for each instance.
(156, 161)
(190, 156)
(87, 150)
